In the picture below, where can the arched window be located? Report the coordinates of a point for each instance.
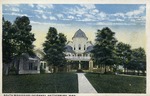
(84, 47)
(79, 46)
(74, 47)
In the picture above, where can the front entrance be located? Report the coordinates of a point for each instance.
(84, 65)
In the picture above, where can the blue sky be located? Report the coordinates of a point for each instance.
(127, 20)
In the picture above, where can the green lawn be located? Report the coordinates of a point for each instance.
(117, 84)
(41, 83)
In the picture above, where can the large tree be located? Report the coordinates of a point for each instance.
(123, 52)
(54, 47)
(7, 38)
(23, 38)
(104, 48)
(17, 39)
(138, 60)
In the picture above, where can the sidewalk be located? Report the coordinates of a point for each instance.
(84, 85)
(131, 75)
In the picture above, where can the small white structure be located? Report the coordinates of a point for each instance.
(79, 49)
(43, 63)
(26, 64)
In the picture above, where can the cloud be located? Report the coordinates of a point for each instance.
(134, 16)
(114, 23)
(39, 11)
(37, 16)
(17, 14)
(47, 23)
(60, 16)
(71, 17)
(52, 18)
(44, 16)
(88, 6)
(14, 9)
(11, 5)
(118, 15)
(136, 12)
(84, 12)
(44, 6)
(31, 5)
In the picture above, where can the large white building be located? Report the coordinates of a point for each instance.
(79, 49)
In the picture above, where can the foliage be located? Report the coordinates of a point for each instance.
(138, 60)
(123, 52)
(7, 39)
(117, 84)
(43, 83)
(80, 71)
(17, 38)
(23, 37)
(103, 50)
(54, 46)
(42, 71)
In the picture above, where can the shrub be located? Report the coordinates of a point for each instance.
(80, 71)
(109, 73)
(42, 71)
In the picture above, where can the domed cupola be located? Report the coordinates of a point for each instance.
(79, 34)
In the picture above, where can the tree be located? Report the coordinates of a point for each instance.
(54, 47)
(17, 39)
(138, 60)
(123, 52)
(23, 38)
(7, 38)
(103, 50)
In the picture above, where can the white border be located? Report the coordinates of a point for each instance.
(147, 2)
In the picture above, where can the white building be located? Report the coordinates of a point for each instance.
(79, 49)
(26, 64)
(43, 64)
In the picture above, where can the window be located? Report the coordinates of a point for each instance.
(79, 55)
(30, 66)
(79, 46)
(84, 47)
(74, 48)
(44, 65)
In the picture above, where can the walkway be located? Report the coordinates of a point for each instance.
(131, 75)
(84, 85)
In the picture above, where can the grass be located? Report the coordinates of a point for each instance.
(41, 83)
(117, 84)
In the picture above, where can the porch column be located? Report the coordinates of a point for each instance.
(79, 65)
(90, 65)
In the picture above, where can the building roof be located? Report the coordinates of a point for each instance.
(79, 34)
(69, 49)
(89, 49)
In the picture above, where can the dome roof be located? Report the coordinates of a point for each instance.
(69, 49)
(79, 34)
(89, 49)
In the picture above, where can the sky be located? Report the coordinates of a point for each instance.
(126, 20)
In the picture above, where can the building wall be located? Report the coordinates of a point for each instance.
(79, 45)
(24, 65)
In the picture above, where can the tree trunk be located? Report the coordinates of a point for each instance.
(138, 72)
(105, 69)
(17, 70)
(6, 69)
(55, 69)
(143, 71)
(124, 70)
